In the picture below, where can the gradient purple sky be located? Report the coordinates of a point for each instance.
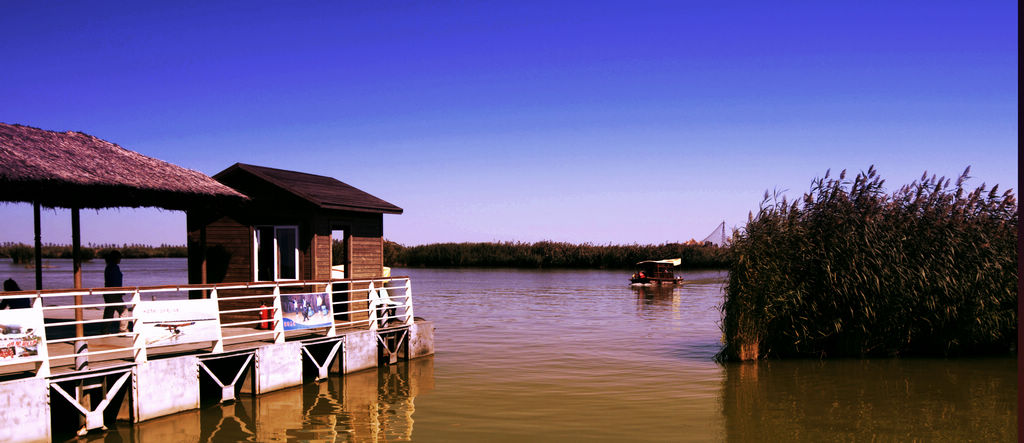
(595, 122)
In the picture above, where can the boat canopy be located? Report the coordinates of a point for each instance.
(672, 261)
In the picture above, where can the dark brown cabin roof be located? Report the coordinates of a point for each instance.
(324, 192)
(73, 169)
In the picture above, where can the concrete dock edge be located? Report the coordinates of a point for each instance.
(25, 410)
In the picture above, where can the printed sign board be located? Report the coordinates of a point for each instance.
(19, 342)
(305, 311)
(172, 322)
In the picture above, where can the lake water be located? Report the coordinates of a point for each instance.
(525, 355)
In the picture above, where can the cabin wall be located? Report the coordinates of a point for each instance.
(273, 205)
(365, 232)
(320, 257)
(365, 246)
(228, 249)
(229, 244)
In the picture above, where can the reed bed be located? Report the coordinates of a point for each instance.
(548, 254)
(22, 253)
(850, 270)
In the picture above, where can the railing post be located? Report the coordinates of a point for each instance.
(138, 341)
(333, 330)
(278, 317)
(218, 346)
(372, 300)
(408, 302)
(81, 345)
(43, 370)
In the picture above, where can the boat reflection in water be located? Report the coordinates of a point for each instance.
(372, 405)
(657, 297)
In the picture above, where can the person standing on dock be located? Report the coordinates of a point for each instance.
(112, 278)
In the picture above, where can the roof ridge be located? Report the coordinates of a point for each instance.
(320, 190)
(283, 186)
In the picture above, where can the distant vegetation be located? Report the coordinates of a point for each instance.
(547, 254)
(849, 270)
(22, 253)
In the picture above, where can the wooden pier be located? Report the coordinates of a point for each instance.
(130, 377)
(269, 304)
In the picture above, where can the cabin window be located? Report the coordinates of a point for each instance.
(277, 253)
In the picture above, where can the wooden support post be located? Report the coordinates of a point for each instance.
(81, 361)
(202, 257)
(349, 271)
(39, 245)
(76, 252)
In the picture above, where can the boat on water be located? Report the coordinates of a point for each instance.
(657, 272)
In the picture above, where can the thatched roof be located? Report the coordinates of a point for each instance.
(323, 192)
(72, 169)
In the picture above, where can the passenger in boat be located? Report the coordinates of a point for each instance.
(14, 303)
(112, 278)
(642, 274)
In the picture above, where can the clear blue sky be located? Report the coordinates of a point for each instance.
(583, 122)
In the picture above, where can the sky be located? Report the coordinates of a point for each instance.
(597, 122)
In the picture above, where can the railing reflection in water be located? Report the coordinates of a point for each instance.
(368, 406)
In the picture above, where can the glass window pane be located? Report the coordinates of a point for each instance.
(286, 253)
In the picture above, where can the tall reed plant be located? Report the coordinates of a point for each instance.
(850, 270)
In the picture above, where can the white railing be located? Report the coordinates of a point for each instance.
(164, 317)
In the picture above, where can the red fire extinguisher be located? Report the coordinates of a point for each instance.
(265, 316)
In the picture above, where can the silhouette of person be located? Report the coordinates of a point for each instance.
(112, 278)
(14, 303)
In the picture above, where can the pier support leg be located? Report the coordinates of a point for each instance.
(329, 352)
(227, 389)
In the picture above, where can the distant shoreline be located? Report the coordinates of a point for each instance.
(551, 255)
(538, 255)
(22, 253)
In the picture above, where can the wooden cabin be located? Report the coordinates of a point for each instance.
(284, 231)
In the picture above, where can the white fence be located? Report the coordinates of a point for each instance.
(163, 318)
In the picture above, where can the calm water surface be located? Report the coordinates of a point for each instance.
(581, 356)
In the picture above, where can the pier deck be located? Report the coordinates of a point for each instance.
(136, 375)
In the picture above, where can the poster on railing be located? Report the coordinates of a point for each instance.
(306, 311)
(172, 322)
(19, 342)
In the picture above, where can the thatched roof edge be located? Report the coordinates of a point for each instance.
(75, 169)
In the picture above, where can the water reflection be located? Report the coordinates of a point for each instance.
(655, 295)
(368, 406)
(566, 355)
(868, 400)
